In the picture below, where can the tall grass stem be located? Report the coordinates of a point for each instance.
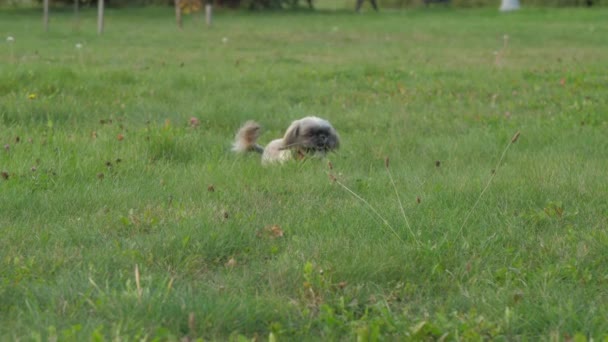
(384, 220)
(487, 186)
(407, 223)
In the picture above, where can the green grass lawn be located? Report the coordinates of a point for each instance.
(121, 221)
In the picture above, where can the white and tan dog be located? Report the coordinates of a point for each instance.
(309, 136)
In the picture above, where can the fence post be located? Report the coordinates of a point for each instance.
(45, 15)
(178, 14)
(208, 12)
(100, 10)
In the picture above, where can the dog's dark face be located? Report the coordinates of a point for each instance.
(319, 139)
(311, 135)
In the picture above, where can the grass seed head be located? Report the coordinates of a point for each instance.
(515, 137)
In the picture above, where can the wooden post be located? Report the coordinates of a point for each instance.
(178, 14)
(76, 14)
(100, 9)
(45, 16)
(208, 12)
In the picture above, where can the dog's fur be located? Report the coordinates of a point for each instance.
(309, 136)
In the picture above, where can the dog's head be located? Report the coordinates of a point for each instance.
(311, 135)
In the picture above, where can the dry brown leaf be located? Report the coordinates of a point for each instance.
(271, 232)
(276, 231)
(230, 263)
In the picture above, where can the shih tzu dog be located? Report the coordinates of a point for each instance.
(309, 136)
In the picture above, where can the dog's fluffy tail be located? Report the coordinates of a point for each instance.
(246, 138)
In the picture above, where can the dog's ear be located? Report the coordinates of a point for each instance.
(336, 139)
(292, 135)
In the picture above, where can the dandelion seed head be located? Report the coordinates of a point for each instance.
(10, 39)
